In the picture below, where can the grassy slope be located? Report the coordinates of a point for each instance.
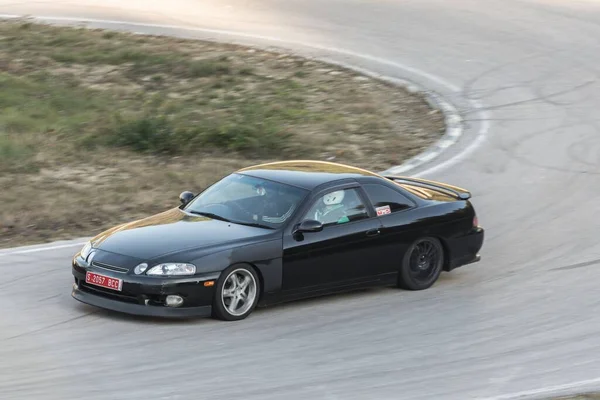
(99, 127)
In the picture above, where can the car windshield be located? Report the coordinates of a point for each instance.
(247, 200)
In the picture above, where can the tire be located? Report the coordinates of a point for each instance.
(222, 302)
(418, 272)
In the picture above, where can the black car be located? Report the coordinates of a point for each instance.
(279, 232)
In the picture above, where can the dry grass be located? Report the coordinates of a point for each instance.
(98, 127)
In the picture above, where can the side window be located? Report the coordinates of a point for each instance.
(386, 200)
(338, 207)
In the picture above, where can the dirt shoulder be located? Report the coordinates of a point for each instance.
(98, 127)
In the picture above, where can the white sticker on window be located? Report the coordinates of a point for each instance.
(383, 210)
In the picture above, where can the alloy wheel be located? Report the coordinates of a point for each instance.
(239, 292)
(424, 261)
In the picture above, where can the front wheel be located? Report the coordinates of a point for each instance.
(422, 264)
(236, 294)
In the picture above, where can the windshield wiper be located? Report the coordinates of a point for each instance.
(215, 216)
(254, 224)
(210, 215)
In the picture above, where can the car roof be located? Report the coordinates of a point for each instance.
(306, 174)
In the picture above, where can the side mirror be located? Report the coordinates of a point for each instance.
(186, 197)
(310, 225)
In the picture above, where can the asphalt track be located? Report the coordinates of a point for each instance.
(524, 321)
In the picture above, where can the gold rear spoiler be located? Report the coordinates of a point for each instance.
(455, 191)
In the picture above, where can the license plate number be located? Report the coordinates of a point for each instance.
(103, 281)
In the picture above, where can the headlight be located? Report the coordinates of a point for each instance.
(169, 269)
(139, 269)
(85, 251)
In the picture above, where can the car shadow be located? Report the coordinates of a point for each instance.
(328, 299)
(353, 295)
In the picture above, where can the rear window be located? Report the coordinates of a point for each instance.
(382, 197)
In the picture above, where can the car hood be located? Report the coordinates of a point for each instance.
(172, 231)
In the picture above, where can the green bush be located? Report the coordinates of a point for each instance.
(152, 134)
(205, 68)
(250, 133)
(15, 156)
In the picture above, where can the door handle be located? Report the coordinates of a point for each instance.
(373, 232)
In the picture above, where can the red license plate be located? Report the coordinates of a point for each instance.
(103, 281)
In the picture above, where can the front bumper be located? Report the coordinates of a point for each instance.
(142, 295)
(137, 309)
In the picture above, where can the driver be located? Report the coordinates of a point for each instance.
(331, 209)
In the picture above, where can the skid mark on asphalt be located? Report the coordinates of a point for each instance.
(468, 88)
(578, 265)
(566, 125)
(535, 99)
(585, 149)
(28, 276)
(50, 297)
(49, 326)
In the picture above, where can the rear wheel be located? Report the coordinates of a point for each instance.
(422, 264)
(236, 294)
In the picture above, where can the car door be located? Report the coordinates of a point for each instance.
(338, 255)
(400, 220)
